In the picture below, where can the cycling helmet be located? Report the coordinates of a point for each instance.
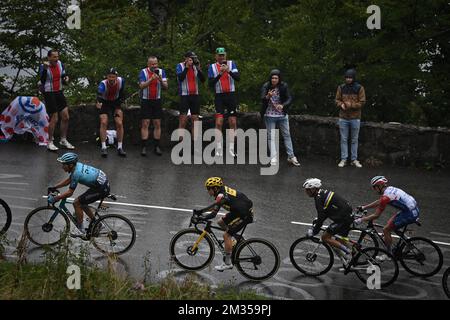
(68, 158)
(214, 182)
(312, 183)
(378, 180)
(112, 71)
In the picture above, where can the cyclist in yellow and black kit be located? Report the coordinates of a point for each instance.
(240, 214)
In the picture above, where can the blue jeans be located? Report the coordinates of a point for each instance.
(345, 126)
(283, 124)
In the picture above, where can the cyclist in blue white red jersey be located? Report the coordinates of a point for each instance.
(52, 77)
(189, 73)
(222, 76)
(110, 96)
(151, 80)
(80, 173)
(395, 197)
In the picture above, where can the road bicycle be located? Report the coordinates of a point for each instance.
(418, 255)
(109, 233)
(5, 217)
(313, 257)
(446, 282)
(193, 249)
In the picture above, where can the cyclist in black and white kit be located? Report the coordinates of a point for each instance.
(240, 214)
(331, 206)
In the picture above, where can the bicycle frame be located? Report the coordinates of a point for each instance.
(208, 230)
(401, 233)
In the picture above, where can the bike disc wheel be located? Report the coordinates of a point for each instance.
(41, 232)
(5, 217)
(257, 259)
(371, 260)
(184, 254)
(421, 257)
(311, 256)
(113, 234)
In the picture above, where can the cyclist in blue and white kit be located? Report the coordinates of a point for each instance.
(93, 178)
(397, 198)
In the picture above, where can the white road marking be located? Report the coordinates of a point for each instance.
(394, 236)
(15, 189)
(21, 198)
(15, 183)
(21, 208)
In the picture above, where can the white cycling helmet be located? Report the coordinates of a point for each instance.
(312, 183)
(378, 180)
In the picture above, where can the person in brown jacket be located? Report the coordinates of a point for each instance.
(350, 98)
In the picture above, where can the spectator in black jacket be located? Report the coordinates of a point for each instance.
(275, 105)
(110, 96)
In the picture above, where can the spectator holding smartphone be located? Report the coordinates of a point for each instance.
(151, 80)
(222, 76)
(189, 73)
(276, 100)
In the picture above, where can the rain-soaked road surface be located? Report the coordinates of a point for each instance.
(159, 196)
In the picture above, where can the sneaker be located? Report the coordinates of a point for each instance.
(144, 152)
(121, 153)
(342, 164)
(104, 152)
(347, 257)
(66, 144)
(356, 163)
(158, 151)
(294, 161)
(223, 267)
(51, 146)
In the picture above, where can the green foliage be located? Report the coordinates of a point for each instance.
(46, 280)
(404, 67)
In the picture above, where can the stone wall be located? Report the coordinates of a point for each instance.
(311, 135)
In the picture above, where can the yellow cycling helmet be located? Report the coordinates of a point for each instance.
(214, 182)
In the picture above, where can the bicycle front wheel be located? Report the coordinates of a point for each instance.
(446, 282)
(113, 234)
(5, 217)
(257, 259)
(46, 226)
(363, 238)
(192, 250)
(421, 257)
(311, 256)
(376, 261)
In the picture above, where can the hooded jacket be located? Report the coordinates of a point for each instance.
(354, 94)
(285, 96)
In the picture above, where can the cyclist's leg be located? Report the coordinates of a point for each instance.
(400, 220)
(89, 197)
(337, 228)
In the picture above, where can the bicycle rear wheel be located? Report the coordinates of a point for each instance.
(370, 260)
(311, 256)
(41, 231)
(421, 257)
(191, 252)
(446, 282)
(113, 234)
(257, 259)
(5, 217)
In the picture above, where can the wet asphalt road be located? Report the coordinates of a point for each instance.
(26, 171)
